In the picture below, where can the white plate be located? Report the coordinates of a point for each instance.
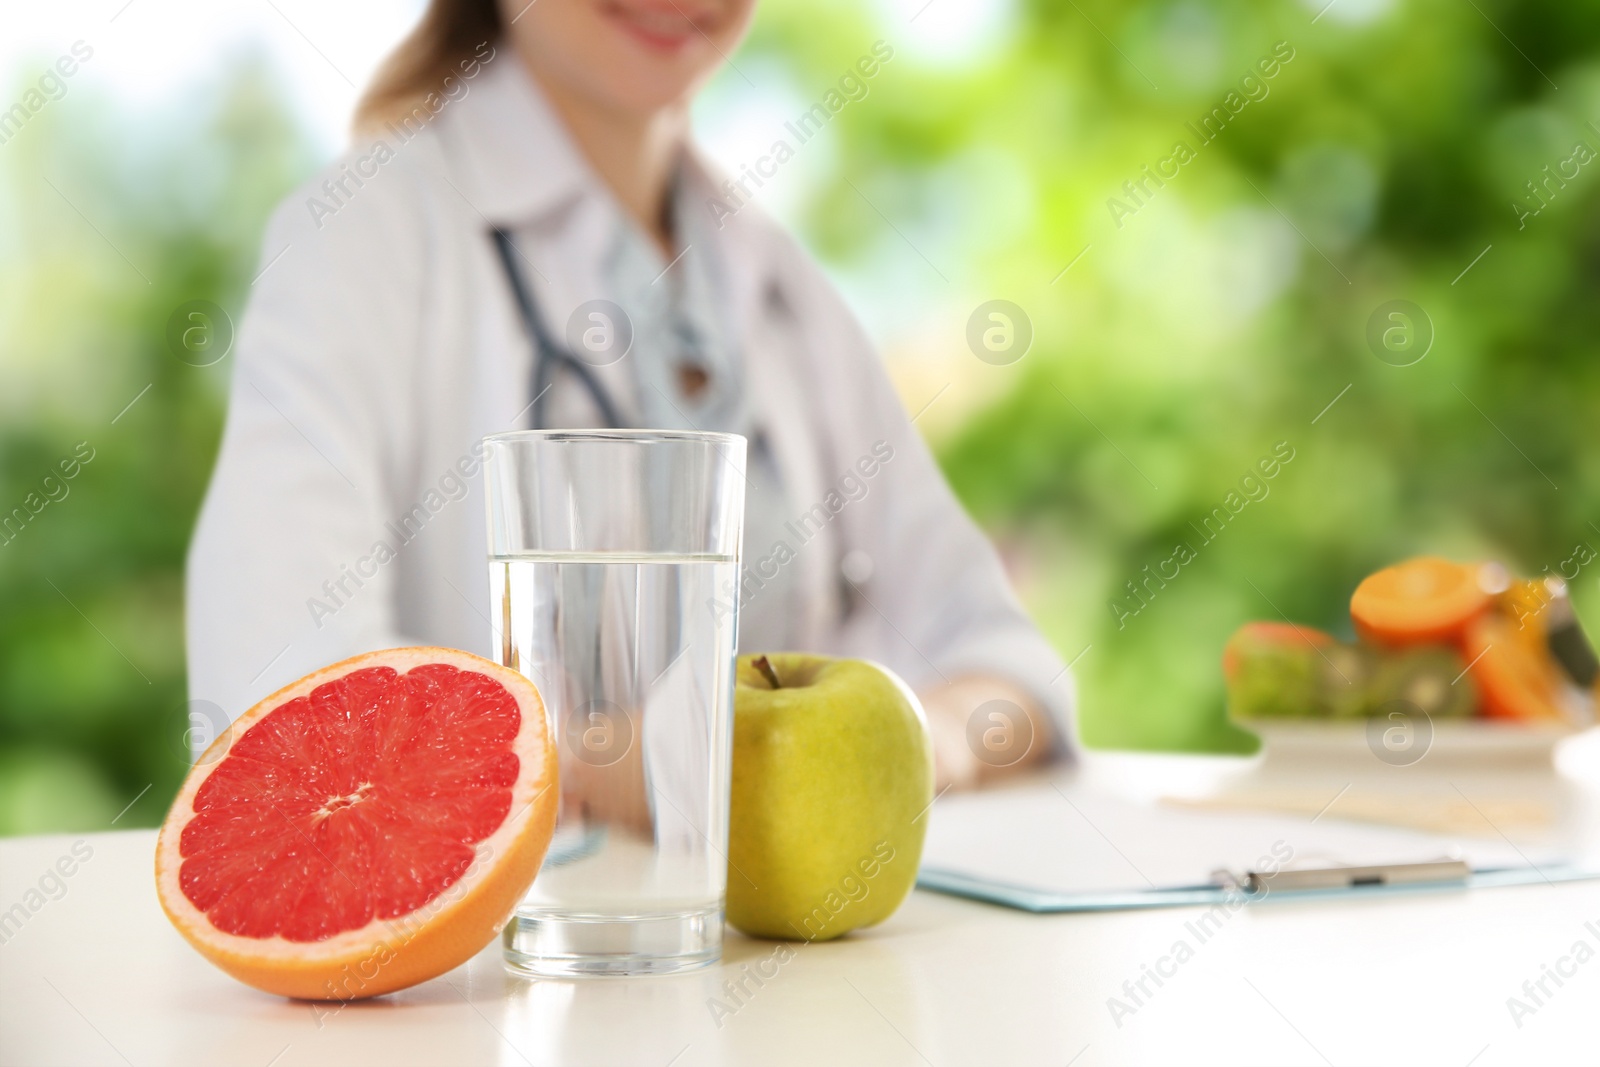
(1400, 743)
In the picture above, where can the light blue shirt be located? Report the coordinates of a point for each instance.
(678, 323)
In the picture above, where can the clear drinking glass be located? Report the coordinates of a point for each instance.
(613, 571)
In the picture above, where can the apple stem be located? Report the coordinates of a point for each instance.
(762, 664)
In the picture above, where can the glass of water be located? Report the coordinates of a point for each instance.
(613, 573)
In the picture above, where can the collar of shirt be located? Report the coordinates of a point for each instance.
(516, 160)
(679, 326)
(512, 161)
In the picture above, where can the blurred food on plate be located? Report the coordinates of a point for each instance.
(1453, 640)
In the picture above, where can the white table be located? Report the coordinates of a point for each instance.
(98, 976)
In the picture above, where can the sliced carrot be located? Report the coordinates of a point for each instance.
(1515, 681)
(1426, 600)
(1253, 634)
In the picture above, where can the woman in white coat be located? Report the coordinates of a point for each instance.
(523, 188)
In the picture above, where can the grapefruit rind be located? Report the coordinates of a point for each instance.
(384, 955)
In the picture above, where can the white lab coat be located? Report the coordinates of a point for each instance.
(381, 343)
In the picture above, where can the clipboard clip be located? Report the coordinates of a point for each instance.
(1433, 872)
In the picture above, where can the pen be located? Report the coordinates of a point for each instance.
(1355, 877)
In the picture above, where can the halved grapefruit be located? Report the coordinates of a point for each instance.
(1421, 601)
(364, 829)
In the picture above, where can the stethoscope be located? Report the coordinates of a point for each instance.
(548, 356)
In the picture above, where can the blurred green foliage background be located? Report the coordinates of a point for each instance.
(1175, 344)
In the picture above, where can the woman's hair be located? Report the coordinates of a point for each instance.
(450, 32)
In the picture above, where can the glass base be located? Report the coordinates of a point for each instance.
(551, 943)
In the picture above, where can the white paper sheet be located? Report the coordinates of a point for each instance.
(1064, 838)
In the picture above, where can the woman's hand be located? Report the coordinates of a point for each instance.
(984, 728)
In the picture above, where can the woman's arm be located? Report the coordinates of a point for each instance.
(937, 606)
(985, 728)
(299, 494)
(927, 593)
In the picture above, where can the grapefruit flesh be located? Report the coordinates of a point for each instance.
(369, 827)
(1426, 600)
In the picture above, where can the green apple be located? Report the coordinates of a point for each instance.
(832, 776)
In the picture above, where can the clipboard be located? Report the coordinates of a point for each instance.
(1060, 847)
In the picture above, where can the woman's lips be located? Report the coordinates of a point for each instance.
(660, 28)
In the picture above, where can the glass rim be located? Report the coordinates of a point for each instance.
(636, 436)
